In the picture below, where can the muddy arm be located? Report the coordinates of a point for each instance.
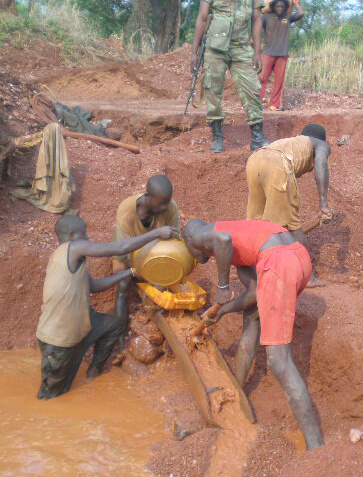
(247, 275)
(86, 248)
(97, 285)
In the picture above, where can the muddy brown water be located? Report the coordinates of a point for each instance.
(100, 427)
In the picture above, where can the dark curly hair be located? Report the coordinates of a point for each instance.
(273, 3)
(314, 130)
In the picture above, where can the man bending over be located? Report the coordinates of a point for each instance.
(275, 268)
(67, 325)
(272, 171)
(136, 216)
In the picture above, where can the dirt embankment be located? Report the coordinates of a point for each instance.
(328, 335)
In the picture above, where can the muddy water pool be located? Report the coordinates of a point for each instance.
(100, 427)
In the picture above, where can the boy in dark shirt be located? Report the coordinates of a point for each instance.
(277, 29)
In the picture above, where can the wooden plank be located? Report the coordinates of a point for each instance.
(188, 368)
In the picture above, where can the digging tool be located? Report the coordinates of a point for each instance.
(206, 317)
(319, 221)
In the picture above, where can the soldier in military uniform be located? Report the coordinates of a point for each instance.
(228, 47)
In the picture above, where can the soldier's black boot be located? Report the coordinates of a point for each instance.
(257, 139)
(217, 144)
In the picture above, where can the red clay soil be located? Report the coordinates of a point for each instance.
(328, 333)
(168, 76)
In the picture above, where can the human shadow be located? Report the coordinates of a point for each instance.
(333, 233)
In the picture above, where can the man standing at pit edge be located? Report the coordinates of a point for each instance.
(228, 48)
(275, 54)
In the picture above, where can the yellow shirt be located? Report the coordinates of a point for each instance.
(129, 225)
(64, 320)
(299, 150)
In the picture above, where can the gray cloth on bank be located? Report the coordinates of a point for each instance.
(78, 119)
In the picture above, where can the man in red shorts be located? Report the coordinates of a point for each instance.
(274, 268)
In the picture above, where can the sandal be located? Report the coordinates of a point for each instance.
(274, 108)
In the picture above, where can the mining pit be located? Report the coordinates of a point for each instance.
(123, 423)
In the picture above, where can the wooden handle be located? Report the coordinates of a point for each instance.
(315, 223)
(207, 315)
(211, 312)
(103, 140)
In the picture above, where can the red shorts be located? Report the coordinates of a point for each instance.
(282, 274)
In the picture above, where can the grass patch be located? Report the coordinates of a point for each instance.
(60, 24)
(330, 66)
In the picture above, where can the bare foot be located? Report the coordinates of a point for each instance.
(314, 282)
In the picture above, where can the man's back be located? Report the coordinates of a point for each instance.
(299, 150)
(248, 236)
(64, 320)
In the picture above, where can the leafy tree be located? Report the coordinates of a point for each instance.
(109, 16)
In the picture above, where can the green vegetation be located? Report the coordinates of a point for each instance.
(329, 36)
(60, 24)
(329, 66)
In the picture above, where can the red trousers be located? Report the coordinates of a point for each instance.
(277, 65)
(282, 274)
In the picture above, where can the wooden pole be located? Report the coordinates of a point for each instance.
(103, 140)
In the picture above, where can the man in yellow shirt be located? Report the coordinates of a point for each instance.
(136, 216)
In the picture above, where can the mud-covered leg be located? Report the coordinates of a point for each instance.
(122, 306)
(282, 366)
(106, 331)
(248, 345)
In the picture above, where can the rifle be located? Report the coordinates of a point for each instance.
(200, 58)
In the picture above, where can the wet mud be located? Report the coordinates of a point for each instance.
(100, 427)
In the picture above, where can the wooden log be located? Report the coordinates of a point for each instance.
(103, 140)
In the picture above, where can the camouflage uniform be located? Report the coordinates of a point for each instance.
(237, 57)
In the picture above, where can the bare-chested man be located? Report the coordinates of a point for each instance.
(274, 268)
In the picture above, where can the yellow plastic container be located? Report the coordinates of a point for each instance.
(185, 296)
(163, 262)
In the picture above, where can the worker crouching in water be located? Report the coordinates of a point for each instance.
(274, 268)
(136, 216)
(67, 325)
(228, 48)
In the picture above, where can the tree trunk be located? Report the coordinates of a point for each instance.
(8, 6)
(165, 24)
(165, 21)
(31, 7)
